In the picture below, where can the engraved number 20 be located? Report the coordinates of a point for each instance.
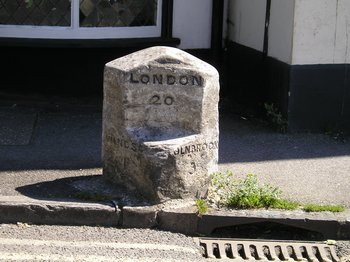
(157, 100)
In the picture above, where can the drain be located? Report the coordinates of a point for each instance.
(265, 250)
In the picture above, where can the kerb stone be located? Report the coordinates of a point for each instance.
(160, 123)
(139, 217)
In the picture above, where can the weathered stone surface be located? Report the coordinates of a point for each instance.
(160, 123)
(58, 213)
(181, 217)
(140, 217)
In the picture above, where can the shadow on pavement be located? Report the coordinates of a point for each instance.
(69, 137)
(50, 140)
(93, 188)
(252, 141)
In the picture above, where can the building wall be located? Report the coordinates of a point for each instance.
(300, 31)
(319, 77)
(305, 69)
(246, 22)
(321, 32)
(258, 76)
(280, 42)
(247, 26)
(192, 23)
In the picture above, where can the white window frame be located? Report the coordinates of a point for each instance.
(74, 31)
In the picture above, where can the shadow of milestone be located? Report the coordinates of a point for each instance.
(93, 188)
(43, 139)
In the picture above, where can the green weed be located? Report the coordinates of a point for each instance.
(247, 193)
(286, 204)
(323, 208)
(221, 185)
(202, 206)
(227, 190)
(250, 194)
(29, 3)
(276, 118)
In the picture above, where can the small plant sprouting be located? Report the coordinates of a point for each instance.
(247, 193)
(221, 185)
(29, 3)
(323, 208)
(276, 118)
(202, 206)
(250, 194)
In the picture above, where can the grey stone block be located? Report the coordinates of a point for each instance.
(160, 123)
(57, 213)
(139, 217)
(181, 220)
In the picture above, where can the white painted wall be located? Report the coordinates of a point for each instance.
(321, 32)
(281, 30)
(342, 33)
(192, 23)
(301, 31)
(246, 22)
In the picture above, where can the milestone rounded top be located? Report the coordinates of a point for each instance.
(161, 56)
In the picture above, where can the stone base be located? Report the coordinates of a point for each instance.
(163, 170)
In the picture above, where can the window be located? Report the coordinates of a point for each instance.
(79, 19)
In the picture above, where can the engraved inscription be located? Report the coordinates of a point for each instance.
(194, 168)
(157, 100)
(123, 143)
(195, 148)
(160, 79)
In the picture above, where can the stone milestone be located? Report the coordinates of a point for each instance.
(160, 123)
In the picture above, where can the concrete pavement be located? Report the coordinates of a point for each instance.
(24, 242)
(309, 168)
(50, 163)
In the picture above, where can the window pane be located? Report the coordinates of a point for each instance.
(35, 12)
(117, 13)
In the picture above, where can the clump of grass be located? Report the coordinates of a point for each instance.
(221, 185)
(323, 208)
(247, 193)
(286, 204)
(276, 118)
(250, 194)
(202, 206)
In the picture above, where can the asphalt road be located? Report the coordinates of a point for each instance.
(24, 242)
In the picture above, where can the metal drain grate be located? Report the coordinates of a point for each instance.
(266, 250)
